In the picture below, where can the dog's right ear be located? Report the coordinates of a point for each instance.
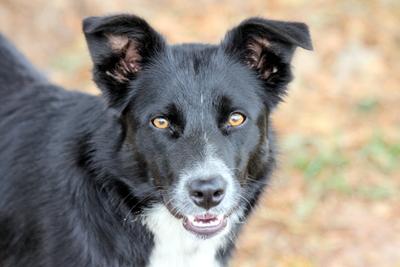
(120, 47)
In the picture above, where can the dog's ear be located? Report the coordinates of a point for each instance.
(266, 47)
(120, 47)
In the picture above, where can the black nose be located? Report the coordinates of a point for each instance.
(207, 193)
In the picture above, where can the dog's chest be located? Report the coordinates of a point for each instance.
(173, 254)
(175, 247)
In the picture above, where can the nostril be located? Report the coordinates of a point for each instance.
(218, 193)
(197, 194)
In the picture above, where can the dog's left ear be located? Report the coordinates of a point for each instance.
(121, 46)
(267, 47)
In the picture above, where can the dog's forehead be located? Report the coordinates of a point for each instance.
(197, 64)
(195, 76)
(204, 71)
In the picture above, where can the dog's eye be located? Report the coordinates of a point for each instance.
(160, 123)
(236, 119)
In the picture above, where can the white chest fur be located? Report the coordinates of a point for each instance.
(176, 247)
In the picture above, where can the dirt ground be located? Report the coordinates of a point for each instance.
(334, 201)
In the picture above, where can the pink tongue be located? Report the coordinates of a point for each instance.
(205, 218)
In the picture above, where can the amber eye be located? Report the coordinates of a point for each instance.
(160, 123)
(236, 119)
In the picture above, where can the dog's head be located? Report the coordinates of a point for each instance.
(196, 117)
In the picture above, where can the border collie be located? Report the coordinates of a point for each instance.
(163, 169)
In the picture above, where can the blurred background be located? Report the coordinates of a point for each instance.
(335, 199)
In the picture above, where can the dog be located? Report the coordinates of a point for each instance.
(163, 169)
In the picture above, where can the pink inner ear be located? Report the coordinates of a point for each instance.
(255, 58)
(130, 58)
(117, 42)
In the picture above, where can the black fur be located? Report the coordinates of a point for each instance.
(76, 171)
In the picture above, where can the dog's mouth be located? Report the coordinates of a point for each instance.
(206, 225)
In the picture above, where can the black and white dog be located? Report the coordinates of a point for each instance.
(163, 170)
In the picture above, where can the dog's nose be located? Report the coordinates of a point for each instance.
(207, 193)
